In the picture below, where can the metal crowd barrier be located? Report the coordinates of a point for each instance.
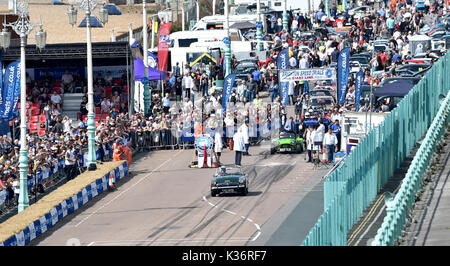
(362, 174)
(399, 208)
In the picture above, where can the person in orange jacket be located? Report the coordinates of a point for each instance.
(128, 153)
(118, 151)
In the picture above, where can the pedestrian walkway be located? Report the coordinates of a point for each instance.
(431, 217)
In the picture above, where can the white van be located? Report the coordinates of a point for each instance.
(217, 22)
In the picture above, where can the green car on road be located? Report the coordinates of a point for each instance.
(229, 179)
(287, 142)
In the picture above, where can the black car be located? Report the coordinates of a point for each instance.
(229, 179)
(411, 80)
(412, 69)
(245, 68)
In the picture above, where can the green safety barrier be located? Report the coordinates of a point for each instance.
(352, 186)
(402, 204)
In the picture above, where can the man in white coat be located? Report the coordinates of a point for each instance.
(218, 145)
(245, 134)
(239, 146)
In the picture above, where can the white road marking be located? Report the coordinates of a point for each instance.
(126, 190)
(91, 244)
(242, 217)
(272, 164)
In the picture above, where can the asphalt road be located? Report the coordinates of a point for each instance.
(163, 202)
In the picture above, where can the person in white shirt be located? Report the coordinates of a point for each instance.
(218, 145)
(188, 85)
(239, 147)
(330, 142)
(245, 133)
(309, 142)
(56, 99)
(66, 81)
(16, 189)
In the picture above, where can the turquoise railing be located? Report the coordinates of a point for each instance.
(356, 182)
(402, 204)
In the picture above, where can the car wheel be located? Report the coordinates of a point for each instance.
(272, 151)
(244, 192)
(213, 193)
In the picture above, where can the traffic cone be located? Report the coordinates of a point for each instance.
(205, 158)
(230, 143)
(324, 156)
(111, 181)
(214, 161)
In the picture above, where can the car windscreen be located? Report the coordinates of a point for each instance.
(285, 135)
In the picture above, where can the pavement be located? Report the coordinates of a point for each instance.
(431, 217)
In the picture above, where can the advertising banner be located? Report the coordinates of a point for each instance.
(283, 63)
(163, 46)
(342, 74)
(359, 78)
(6, 109)
(227, 87)
(307, 74)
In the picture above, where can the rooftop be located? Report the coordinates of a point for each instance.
(56, 22)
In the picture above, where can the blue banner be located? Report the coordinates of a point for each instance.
(9, 90)
(342, 74)
(283, 63)
(227, 87)
(1, 79)
(359, 78)
(17, 90)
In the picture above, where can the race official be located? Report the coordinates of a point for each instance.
(128, 153)
(118, 151)
(218, 145)
(239, 147)
(330, 142)
(245, 134)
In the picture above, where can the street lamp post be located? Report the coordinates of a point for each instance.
(259, 26)
(227, 41)
(23, 27)
(88, 6)
(285, 16)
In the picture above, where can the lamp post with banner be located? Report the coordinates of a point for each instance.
(23, 28)
(88, 6)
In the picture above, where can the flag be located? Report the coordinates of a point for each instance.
(227, 87)
(283, 63)
(9, 90)
(342, 74)
(163, 46)
(359, 78)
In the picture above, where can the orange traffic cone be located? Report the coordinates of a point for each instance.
(205, 159)
(214, 161)
(230, 143)
(111, 181)
(324, 156)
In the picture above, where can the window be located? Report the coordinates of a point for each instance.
(186, 42)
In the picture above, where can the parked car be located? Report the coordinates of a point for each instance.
(287, 142)
(229, 179)
(411, 80)
(412, 70)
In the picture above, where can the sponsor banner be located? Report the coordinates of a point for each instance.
(163, 46)
(342, 74)
(1, 79)
(359, 78)
(227, 87)
(116, 71)
(17, 89)
(307, 74)
(6, 111)
(57, 73)
(283, 63)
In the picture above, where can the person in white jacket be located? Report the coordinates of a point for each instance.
(245, 134)
(239, 147)
(218, 145)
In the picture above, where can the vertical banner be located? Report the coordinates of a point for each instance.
(342, 74)
(283, 63)
(163, 46)
(1, 79)
(359, 78)
(9, 90)
(17, 90)
(227, 87)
